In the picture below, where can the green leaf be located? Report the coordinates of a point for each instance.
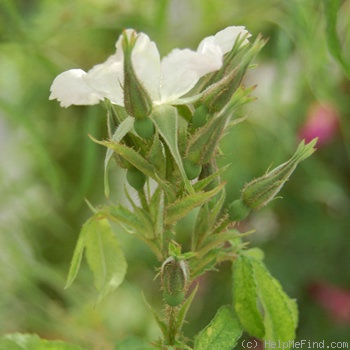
(222, 333)
(203, 183)
(132, 157)
(18, 341)
(183, 206)
(207, 219)
(262, 306)
(245, 297)
(165, 118)
(77, 257)
(184, 308)
(125, 126)
(201, 227)
(156, 207)
(215, 207)
(215, 241)
(144, 218)
(134, 222)
(280, 311)
(104, 256)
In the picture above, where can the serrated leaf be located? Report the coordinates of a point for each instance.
(125, 126)
(215, 241)
(245, 297)
(280, 316)
(165, 118)
(222, 333)
(207, 219)
(137, 224)
(104, 256)
(183, 206)
(77, 257)
(277, 318)
(131, 156)
(138, 162)
(18, 341)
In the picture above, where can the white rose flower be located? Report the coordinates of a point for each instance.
(165, 80)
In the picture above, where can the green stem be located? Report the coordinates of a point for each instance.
(172, 331)
(143, 199)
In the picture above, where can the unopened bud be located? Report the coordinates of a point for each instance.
(262, 190)
(217, 95)
(137, 101)
(200, 116)
(135, 178)
(174, 276)
(192, 169)
(238, 210)
(144, 127)
(226, 81)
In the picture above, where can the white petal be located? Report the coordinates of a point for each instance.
(70, 88)
(224, 39)
(146, 62)
(181, 70)
(107, 79)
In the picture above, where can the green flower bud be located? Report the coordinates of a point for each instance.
(135, 178)
(200, 116)
(217, 95)
(239, 58)
(192, 169)
(238, 210)
(144, 127)
(226, 81)
(262, 190)
(174, 277)
(137, 102)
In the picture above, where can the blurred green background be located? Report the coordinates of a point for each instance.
(49, 165)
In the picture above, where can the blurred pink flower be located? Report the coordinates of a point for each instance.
(335, 300)
(321, 122)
